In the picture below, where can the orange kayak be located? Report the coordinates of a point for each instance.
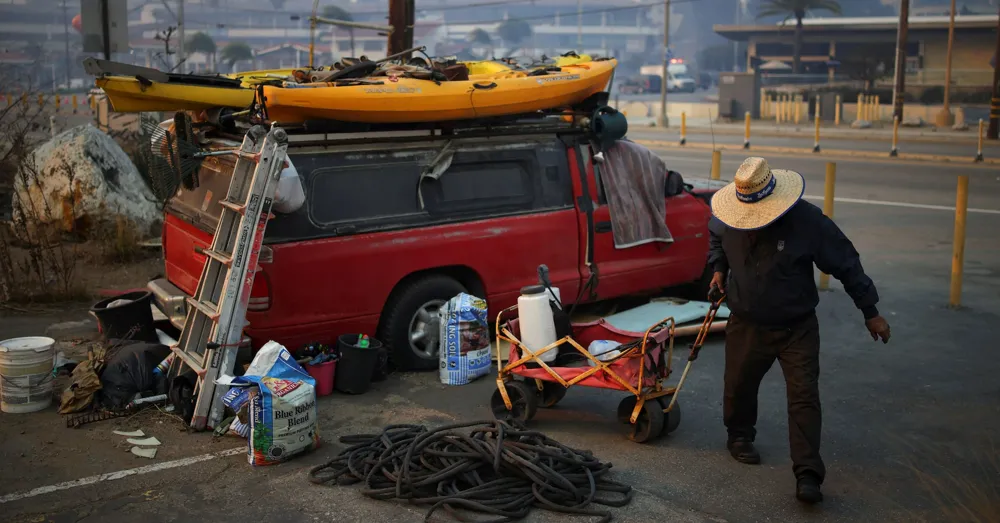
(410, 100)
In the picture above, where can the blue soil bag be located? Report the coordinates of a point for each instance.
(465, 340)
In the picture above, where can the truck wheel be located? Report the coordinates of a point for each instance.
(412, 321)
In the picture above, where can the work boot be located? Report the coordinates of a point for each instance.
(743, 451)
(807, 490)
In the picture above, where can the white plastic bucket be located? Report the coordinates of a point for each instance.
(26, 374)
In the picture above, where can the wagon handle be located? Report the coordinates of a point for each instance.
(717, 297)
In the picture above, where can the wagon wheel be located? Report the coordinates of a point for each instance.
(523, 399)
(550, 394)
(625, 409)
(648, 425)
(672, 418)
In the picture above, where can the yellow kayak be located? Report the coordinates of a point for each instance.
(408, 100)
(129, 95)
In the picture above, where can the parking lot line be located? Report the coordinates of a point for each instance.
(110, 476)
(903, 204)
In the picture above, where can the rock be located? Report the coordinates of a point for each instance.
(913, 121)
(85, 182)
(860, 124)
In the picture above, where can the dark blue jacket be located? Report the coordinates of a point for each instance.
(770, 270)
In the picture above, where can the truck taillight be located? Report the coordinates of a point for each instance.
(260, 293)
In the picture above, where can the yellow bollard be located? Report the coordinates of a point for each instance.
(877, 110)
(895, 137)
(746, 130)
(836, 111)
(74, 103)
(831, 180)
(684, 127)
(859, 115)
(816, 143)
(798, 108)
(41, 101)
(10, 100)
(979, 149)
(958, 249)
(716, 163)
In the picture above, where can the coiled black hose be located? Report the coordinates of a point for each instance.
(496, 469)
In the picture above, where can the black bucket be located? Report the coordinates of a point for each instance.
(117, 322)
(356, 366)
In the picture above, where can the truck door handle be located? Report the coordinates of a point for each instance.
(602, 227)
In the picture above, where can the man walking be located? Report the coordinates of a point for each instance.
(766, 239)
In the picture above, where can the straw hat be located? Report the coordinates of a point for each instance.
(758, 195)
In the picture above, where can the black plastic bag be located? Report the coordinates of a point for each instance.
(129, 371)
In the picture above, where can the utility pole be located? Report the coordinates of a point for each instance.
(66, 33)
(900, 83)
(579, 26)
(181, 58)
(664, 121)
(993, 133)
(401, 14)
(944, 117)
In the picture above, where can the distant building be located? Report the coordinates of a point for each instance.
(833, 45)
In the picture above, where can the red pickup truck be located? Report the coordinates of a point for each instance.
(375, 248)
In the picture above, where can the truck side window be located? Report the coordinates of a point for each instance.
(496, 186)
(358, 193)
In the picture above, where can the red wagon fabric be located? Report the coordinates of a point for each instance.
(626, 367)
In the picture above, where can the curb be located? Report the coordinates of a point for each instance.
(825, 153)
(800, 132)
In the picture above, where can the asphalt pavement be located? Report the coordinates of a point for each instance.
(898, 418)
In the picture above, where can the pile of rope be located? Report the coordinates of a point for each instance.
(495, 468)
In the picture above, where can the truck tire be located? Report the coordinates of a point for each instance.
(411, 321)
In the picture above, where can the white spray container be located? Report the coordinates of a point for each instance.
(538, 327)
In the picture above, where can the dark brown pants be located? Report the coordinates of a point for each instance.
(750, 351)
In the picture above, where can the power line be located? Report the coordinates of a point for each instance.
(569, 14)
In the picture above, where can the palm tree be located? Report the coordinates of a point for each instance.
(797, 9)
(236, 52)
(513, 32)
(480, 37)
(335, 12)
(202, 43)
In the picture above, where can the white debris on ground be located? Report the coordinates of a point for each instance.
(85, 181)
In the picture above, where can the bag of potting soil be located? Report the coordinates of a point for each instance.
(282, 415)
(465, 340)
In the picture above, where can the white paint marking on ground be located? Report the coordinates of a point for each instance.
(905, 204)
(110, 476)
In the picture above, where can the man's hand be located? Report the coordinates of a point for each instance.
(717, 286)
(878, 328)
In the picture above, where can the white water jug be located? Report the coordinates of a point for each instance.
(538, 327)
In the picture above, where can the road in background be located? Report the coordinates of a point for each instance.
(701, 95)
(805, 141)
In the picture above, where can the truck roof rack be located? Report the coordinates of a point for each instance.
(592, 118)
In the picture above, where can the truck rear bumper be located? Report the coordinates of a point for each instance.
(169, 302)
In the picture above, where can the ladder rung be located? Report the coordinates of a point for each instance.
(205, 308)
(236, 207)
(188, 360)
(253, 157)
(225, 259)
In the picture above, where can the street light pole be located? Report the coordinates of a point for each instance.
(993, 133)
(66, 34)
(944, 116)
(900, 83)
(181, 63)
(664, 121)
(579, 26)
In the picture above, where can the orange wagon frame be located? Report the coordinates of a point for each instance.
(644, 410)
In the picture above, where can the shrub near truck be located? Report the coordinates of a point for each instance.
(379, 247)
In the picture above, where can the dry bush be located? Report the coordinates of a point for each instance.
(960, 490)
(35, 264)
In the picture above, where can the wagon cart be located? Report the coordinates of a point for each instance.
(642, 364)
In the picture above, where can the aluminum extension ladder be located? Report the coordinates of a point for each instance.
(216, 314)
